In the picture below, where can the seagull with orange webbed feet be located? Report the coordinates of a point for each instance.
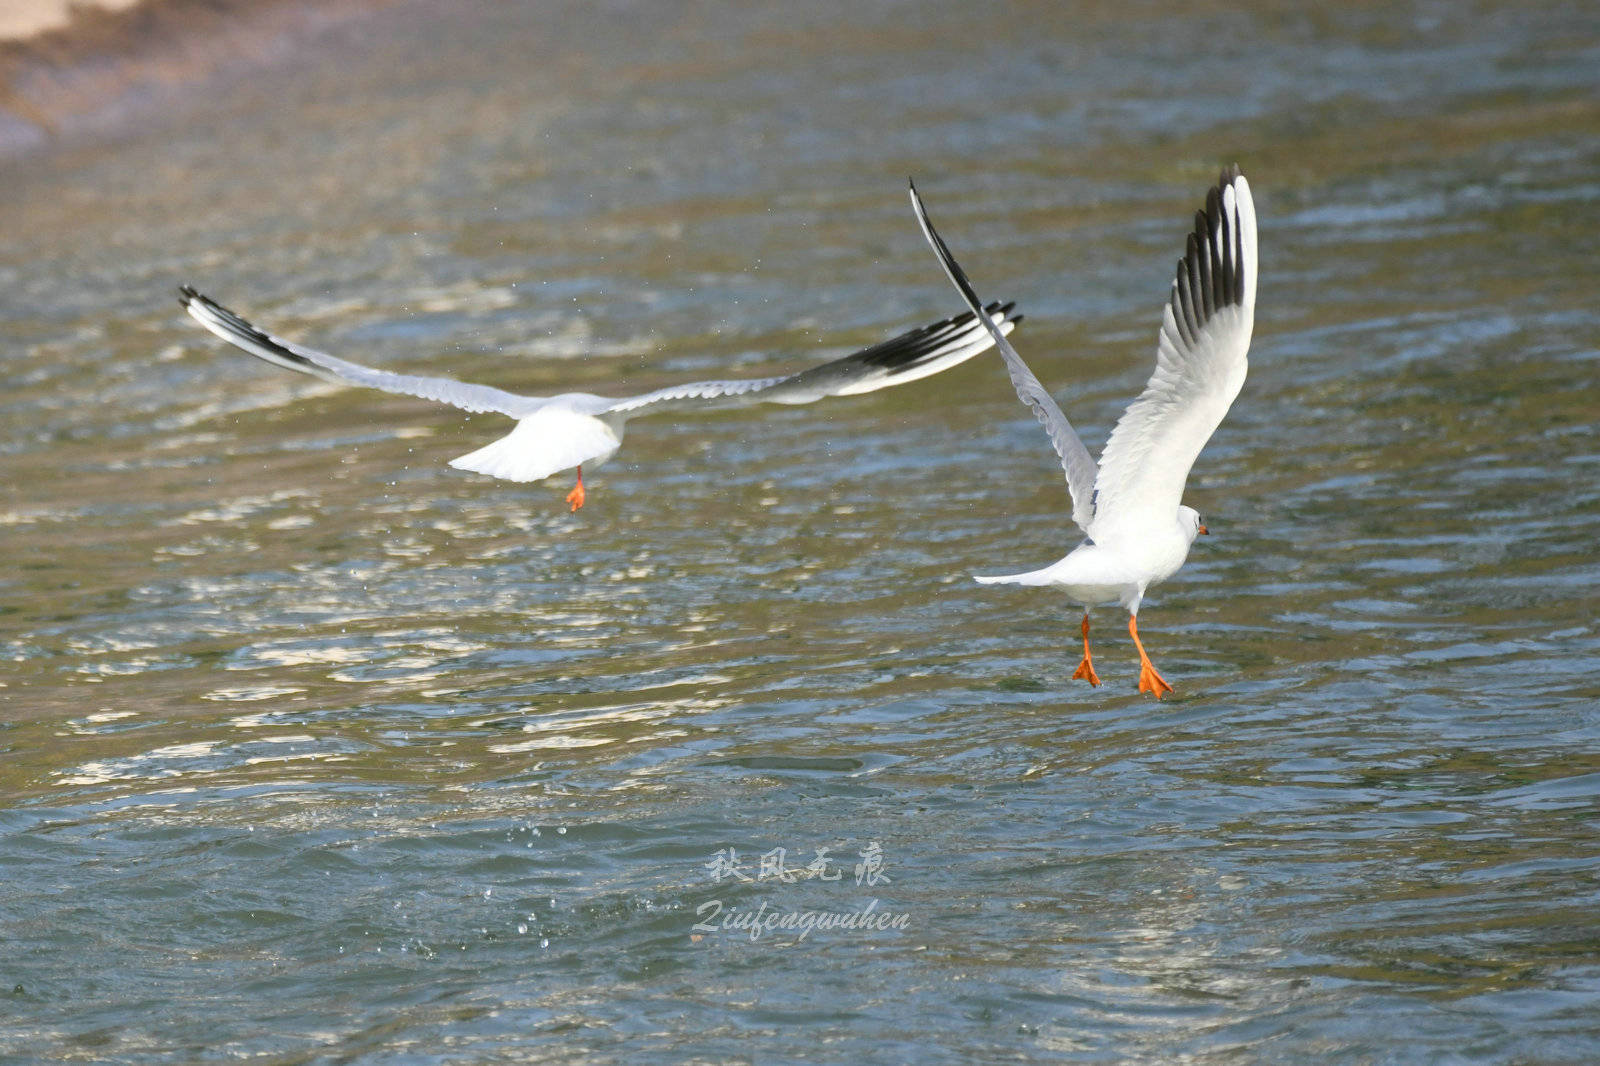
(556, 433)
(1138, 533)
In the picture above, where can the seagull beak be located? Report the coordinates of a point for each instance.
(1204, 532)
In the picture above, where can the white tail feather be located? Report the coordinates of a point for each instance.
(547, 442)
(1032, 577)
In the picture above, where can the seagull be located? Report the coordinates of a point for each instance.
(1137, 531)
(556, 433)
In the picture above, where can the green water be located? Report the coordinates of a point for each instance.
(313, 748)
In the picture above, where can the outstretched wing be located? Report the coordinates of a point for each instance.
(1075, 459)
(1200, 363)
(263, 345)
(912, 355)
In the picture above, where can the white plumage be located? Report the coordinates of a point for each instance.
(559, 433)
(1130, 504)
(551, 439)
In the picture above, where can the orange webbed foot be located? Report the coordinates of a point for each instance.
(1149, 680)
(1152, 682)
(1085, 671)
(576, 496)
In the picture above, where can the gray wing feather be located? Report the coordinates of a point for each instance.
(911, 355)
(1076, 462)
(237, 331)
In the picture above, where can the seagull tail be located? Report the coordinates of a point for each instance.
(546, 442)
(1032, 577)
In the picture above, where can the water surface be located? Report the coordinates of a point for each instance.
(315, 747)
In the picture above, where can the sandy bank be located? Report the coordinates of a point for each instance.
(20, 19)
(70, 68)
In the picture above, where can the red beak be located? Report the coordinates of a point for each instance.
(1204, 532)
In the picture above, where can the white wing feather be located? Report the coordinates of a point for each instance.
(1076, 462)
(1200, 366)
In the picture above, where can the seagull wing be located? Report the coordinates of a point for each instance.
(1200, 363)
(912, 355)
(263, 345)
(1075, 458)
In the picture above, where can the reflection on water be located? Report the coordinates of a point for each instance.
(313, 742)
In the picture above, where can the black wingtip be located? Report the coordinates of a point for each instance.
(187, 294)
(1210, 276)
(911, 349)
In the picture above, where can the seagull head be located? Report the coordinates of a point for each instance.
(1189, 522)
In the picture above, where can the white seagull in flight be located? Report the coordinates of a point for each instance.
(1138, 531)
(556, 433)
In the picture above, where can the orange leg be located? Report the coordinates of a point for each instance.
(1085, 670)
(1149, 680)
(575, 497)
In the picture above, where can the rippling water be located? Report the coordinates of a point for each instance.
(313, 746)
